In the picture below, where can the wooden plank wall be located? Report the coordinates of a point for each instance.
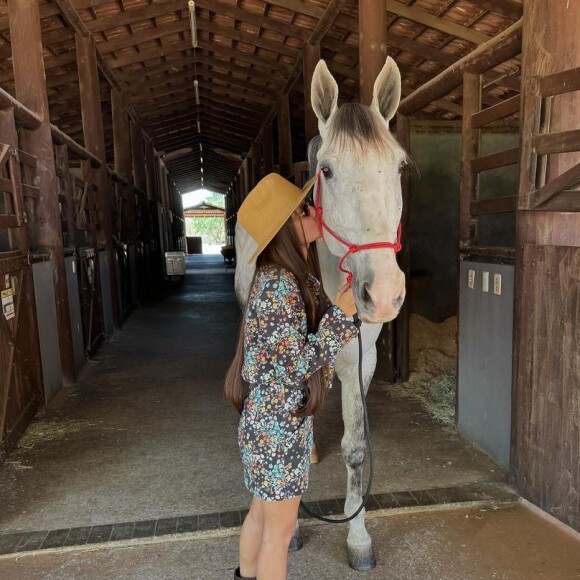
(548, 442)
(545, 461)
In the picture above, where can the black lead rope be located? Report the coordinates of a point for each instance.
(367, 431)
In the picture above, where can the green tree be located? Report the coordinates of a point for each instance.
(216, 199)
(211, 229)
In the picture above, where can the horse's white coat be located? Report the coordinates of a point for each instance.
(362, 202)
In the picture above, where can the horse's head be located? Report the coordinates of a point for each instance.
(359, 163)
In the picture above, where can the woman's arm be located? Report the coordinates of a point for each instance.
(286, 354)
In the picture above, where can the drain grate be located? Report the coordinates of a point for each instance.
(50, 539)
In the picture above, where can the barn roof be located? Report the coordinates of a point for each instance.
(204, 210)
(248, 52)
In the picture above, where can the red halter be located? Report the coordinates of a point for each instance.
(352, 248)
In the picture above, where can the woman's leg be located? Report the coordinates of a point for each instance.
(279, 524)
(250, 539)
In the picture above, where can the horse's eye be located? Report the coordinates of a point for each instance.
(327, 172)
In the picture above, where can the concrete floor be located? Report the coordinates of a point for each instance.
(147, 433)
(512, 543)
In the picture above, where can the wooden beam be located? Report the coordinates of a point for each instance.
(182, 26)
(141, 58)
(559, 83)
(76, 23)
(310, 58)
(23, 115)
(94, 139)
(491, 114)
(331, 12)
(562, 142)
(502, 47)
(123, 158)
(509, 8)
(285, 137)
(470, 143)
(436, 22)
(46, 11)
(187, 83)
(268, 148)
(46, 229)
(73, 147)
(372, 22)
(171, 68)
(495, 160)
(402, 329)
(138, 156)
(505, 204)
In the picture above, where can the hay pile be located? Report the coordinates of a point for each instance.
(44, 430)
(433, 357)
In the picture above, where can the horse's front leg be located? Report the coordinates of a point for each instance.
(359, 543)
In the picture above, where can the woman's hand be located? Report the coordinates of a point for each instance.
(345, 300)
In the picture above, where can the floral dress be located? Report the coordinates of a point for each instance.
(279, 356)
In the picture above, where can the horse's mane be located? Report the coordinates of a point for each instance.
(356, 126)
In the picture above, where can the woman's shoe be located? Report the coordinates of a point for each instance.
(238, 576)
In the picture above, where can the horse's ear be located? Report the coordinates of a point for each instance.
(387, 90)
(324, 94)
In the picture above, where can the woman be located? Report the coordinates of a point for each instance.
(289, 339)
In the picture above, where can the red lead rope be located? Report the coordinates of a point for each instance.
(352, 248)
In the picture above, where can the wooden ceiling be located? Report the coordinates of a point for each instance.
(249, 51)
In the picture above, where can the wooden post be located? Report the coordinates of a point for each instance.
(46, 232)
(268, 148)
(138, 156)
(372, 26)
(150, 170)
(245, 178)
(470, 139)
(95, 142)
(402, 321)
(311, 58)
(256, 163)
(123, 159)
(545, 443)
(285, 137)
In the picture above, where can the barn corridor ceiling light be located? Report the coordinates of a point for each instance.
(193, 26)
(196, 87)
(192, 23)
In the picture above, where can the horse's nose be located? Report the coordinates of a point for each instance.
(366, 295)
(398, 301)
(400, 295)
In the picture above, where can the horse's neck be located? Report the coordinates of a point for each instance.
(245, 247)
(332, 277)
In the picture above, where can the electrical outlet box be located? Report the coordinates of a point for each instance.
(471, 279)
(485, 282)
(497, 284)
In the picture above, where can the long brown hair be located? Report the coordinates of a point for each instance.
(285, 251)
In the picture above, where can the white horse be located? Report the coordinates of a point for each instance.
(359, 164)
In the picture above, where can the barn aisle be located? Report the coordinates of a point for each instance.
(147, 437)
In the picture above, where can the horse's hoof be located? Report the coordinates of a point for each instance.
(297, 543)
(314, 458)
(361, 559)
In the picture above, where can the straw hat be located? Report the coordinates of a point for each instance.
(268, 206)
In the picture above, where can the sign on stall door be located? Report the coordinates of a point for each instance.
(8, 303)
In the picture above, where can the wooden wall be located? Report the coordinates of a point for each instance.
(545, 463)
